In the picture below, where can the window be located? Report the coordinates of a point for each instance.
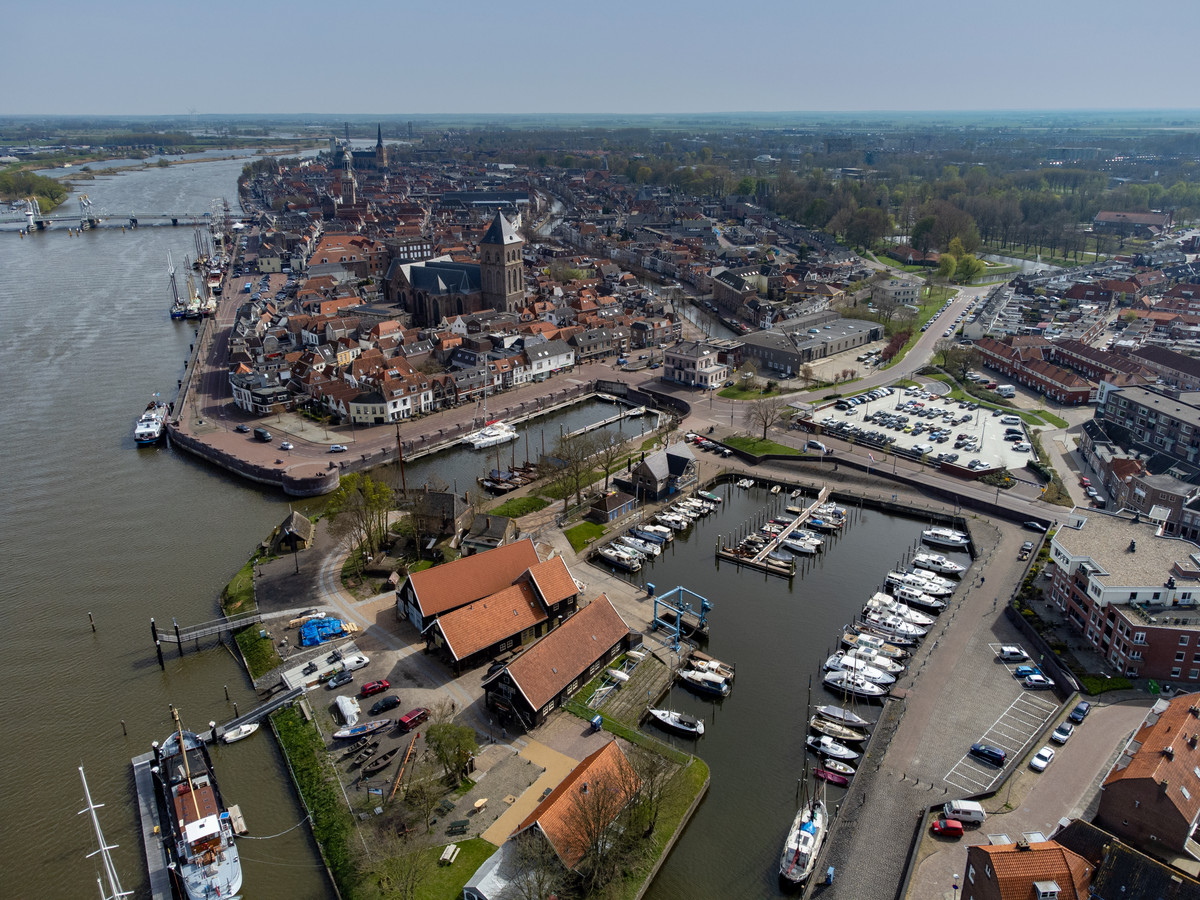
(1183, 640)
(1175, 672)
(1180, 656)
(1193, 674)
(1139, 637)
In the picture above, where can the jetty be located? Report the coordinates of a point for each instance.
(761, 559)
(151, 824)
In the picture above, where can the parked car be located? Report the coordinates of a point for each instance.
(342, 677)
(1011, 652)
(1079, 713)
(384, 704)
(948, 828)
(1085, 482)
(989, 754)
(1034, 526)
(355, 661)
(1063, 733)
(1038, 683)
(1044, 757)
(1023, 672)
(374, 687)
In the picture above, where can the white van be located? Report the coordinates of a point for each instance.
(1010, 420)
(965, 811)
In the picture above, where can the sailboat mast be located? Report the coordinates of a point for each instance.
(187, 769)
(110, 869)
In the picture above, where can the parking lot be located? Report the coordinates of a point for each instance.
(1012, 732)
(921, 423)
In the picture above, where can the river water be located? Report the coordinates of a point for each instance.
(90, 524)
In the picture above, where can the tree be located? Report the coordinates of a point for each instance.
(424, 791)
(807, 372)
(573, 455)
(610, 445)
(453, 746)
(922, 234)
(360, 507)
(396, 867)
(765, 413)
(538, 872)
(592, 809)
(655, 785)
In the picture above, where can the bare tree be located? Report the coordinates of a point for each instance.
(590, 836)
(654, 774)
(424, 790)
(573, 455)
(808, 373)
(395, 866)
(765, 413)
(539, 873)
(610, 446)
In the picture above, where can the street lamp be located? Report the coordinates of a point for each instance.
(955, 887)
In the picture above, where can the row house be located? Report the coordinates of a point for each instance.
(1175, 369)
(1024, 360)
(547, 358)
(258, 393)
(654, 331)
(1096, 364)
(1131, 592)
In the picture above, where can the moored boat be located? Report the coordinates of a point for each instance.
(803, 843)
(892, 626)
(840, 766)
(844, 716)
(883, 663)
(886, 603)
(491, 434)
(920, 583)
(945, 537)
(835, 730)
(827, 746)
(853, 685)
(239, 733)
(149, 427)
(678, 722)
(840, 662)
(935, 562)
(644, 534)
(620, 560)
(198, 829)
(832, 777)
(707, 683)
(877, 645)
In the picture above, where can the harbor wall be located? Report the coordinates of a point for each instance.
(309, 484)
(662, 857)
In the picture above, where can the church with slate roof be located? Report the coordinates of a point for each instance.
(441, 288)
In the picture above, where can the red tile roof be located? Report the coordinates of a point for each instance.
(485, 622)
(564, 654)
(1166, 751)
(471, 578)
(1016, 869)
(553, 580)
(605, 770)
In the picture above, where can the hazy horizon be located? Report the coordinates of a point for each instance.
(668, 58)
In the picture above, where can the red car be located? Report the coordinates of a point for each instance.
(374, 687)
(950, 828)
(1085, 482)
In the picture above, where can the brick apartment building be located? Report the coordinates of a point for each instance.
(1131, 593)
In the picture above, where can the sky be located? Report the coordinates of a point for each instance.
(397, 57)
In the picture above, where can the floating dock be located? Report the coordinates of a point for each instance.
(762, 561)
(156, 854)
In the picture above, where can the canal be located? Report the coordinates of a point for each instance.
(778, 633)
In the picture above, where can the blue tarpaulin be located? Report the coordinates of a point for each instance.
(318, 631)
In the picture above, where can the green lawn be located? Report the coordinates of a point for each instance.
(583, 534)
(737, 392)
(758, 446)
(1035, 418)
(520, 506)
(447, 882)
(238, 596)
(260, 653)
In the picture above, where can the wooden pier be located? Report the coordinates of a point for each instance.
(762, 561)
(217, 628)
(259, 712)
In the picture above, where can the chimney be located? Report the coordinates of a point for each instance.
(1022, 844)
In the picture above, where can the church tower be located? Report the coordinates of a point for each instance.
(380, 151)
(501, 269)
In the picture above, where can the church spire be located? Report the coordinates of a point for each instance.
(379, 139)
